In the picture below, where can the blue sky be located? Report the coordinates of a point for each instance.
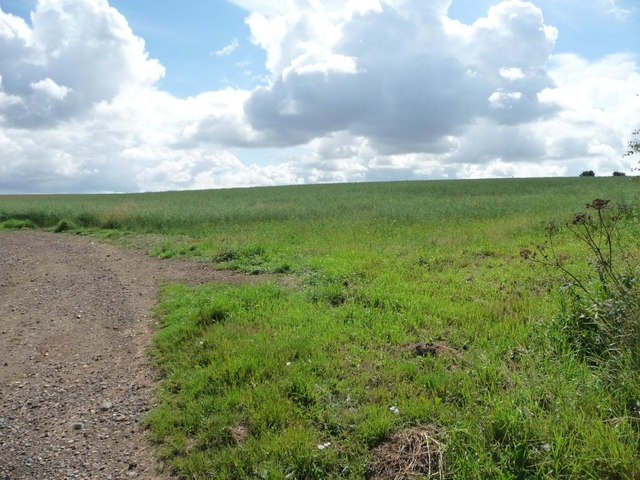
(186, 37)
(251, 92)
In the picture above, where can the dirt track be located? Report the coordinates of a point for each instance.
(75, 320)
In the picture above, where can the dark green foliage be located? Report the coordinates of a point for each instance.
(619, 174)
(227, 255)
(588, 173)
(253, 259)
(63, 226)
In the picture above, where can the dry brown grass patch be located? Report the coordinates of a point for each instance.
(411, 453)
(239, 433)
(434, 349)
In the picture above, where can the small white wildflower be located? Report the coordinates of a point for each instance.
(546, 447)
(395, 410)
(288, 364)
(322, 446)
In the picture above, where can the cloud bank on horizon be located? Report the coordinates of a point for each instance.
(354, 91)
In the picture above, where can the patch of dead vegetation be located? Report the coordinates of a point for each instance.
(239, 433)
(411, 453)
(433, 349)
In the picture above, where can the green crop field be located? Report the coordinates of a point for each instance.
(400, 328)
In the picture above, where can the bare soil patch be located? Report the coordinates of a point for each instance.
(76, 317)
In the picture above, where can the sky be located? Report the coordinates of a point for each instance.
(152, 95)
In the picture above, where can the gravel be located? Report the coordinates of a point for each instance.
(75, 379)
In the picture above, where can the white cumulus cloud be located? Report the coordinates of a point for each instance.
(75, 55)
(50, 89)
(228, 49)
(403, 74)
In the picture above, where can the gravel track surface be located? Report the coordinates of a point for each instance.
(75, 380)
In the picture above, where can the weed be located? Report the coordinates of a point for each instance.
(601, 314)
(63, 226)
(227, 255)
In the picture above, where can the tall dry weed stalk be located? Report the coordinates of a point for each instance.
(600, 318)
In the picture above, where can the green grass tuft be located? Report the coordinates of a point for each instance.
(16, 224)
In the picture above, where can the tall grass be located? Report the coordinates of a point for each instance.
(195, 212)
